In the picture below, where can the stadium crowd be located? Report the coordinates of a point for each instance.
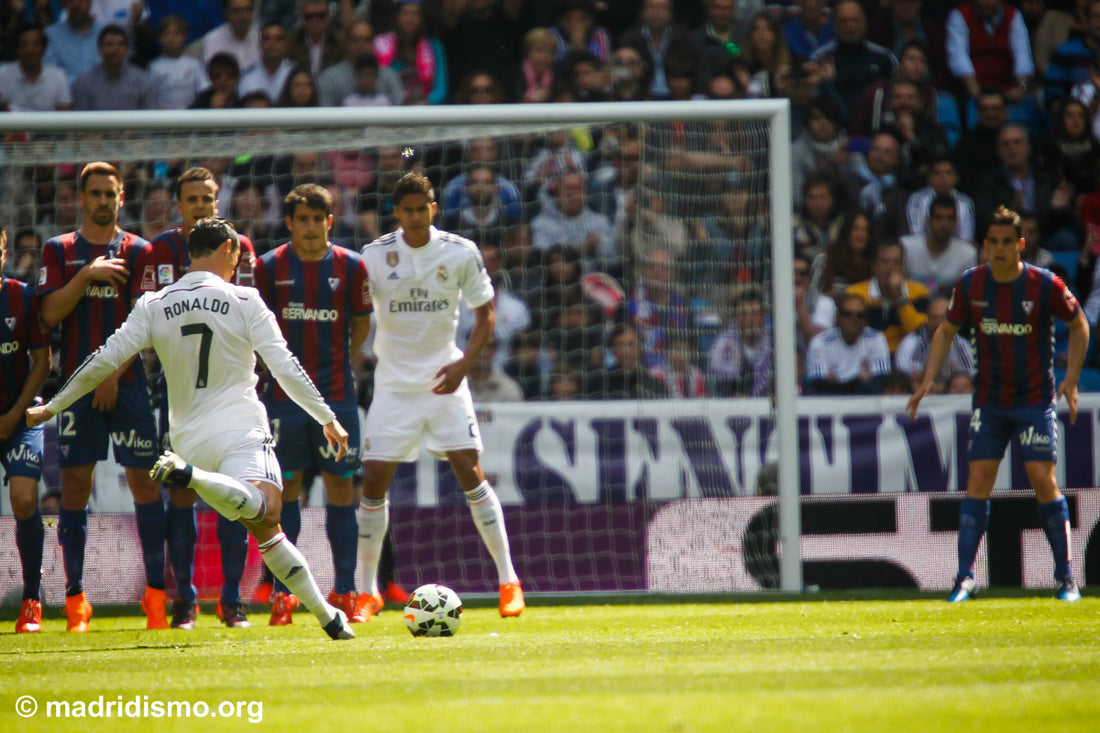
(628, 260)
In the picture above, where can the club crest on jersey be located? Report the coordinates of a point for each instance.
(10, 320)
(441, 274)
(392, 259)
(1027, 305)
(148, 278)
(334, 282)
(164, 275)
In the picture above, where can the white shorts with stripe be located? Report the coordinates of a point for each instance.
(246, 455)
(398, 421)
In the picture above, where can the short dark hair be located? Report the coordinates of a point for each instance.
(366, 61)
(1004, 216)
(225, 62)
(210, 233)
(310, 195)
(196, 174)
(172, 20)
(112, 30)
(25, 28)
(411, 184)
(99, 168)
(943, 201)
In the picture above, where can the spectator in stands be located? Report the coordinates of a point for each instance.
(740, 362)
(882, 196)
(656, 32)
(485, 35)
(627, 377)
(615, 186)
(540, 48)
(566, 382)
(559, 282)
(74, 42)
(850, 358)
(651, 227)
(987, 46)
(920, 136)
(657, 306)
(821, 148)
(631, 74)
(899, 23)
(115, 83)
(487, 382)
(419, 60)
(367, 92)
(1035, 254)
(718, 36)
(896, 304)
(315, 44)
(479, 87)
(818, 223)
(766, 58)
(239, 36)
(177, 77)
(850, 62)
(574, 332)
(942, 179)
(1020, 185)
(157, 210)
(1073, 58)
(1070, 149)
(247, 214)
(483, 205)
(1058, 23)
(730, 246)
(568, 220)
(585, 79)
(299, 90)
(872, 113)
(976, 150)
(937, 257)
(339, 81)
(29, 84)
(225, 76)
(848, 259)
(375, 212)
(960, 383)
(912, 354)
(271, 73)
(679, 374)
(525, 368)
(577, 30)
(808, 30)
(815, 312)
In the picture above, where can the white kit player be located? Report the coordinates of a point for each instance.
(207, 332)
(417, 275)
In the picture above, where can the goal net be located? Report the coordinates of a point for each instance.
(637, 402)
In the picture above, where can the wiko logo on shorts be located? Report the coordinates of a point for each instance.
(1034, 440)
(131, 440)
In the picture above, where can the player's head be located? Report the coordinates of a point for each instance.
(309, 195)
(196, 195)
(101, 194)
(414, 203)
(1004, 239)
(215, 243)
(308, 216)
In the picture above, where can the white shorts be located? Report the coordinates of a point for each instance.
(247, 455)
(397, 421)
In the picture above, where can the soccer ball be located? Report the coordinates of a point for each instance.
(433, 610)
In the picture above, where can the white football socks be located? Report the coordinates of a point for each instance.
(231, 498)
(489, 518)
(288, 565)
(373, 518)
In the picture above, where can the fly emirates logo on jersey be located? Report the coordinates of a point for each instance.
(420, 300)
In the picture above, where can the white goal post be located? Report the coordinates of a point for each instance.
(428, 123)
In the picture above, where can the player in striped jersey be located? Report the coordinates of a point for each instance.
(24, 366)
(89, 280)
(197, 198)
(1010, 307)
(207, 333)
(417, 275)
(319, 295)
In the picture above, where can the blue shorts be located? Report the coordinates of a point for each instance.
(300, 442)
(83, 433)
(1034, 428)
(21, 454)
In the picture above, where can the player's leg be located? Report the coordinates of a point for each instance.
(373, 519)
(488, 515)
(290, 520)
(453, 431)
(182, 534)
(341, 529)
(134, 436)
(72, 535)
(21, 460)
(289, 429)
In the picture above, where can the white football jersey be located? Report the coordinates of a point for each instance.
(415, 293)
(206, 333)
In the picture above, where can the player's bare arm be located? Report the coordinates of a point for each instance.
(57, 305)
(937, 353)
(451, 376)
(40, 370)
(360, 329)
(1078, 343)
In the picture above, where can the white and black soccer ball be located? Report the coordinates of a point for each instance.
(433, 610)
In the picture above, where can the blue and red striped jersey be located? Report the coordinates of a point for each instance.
(1012, 329)
(102, 309)
(173, 258)
(314, 303)
(20, 333)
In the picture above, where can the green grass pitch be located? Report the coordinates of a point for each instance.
(834, 663)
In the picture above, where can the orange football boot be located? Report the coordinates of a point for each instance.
(30, 617)
(283, 606)
(350, 605)
(155, 606)
(511, 599)
(78, 611)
